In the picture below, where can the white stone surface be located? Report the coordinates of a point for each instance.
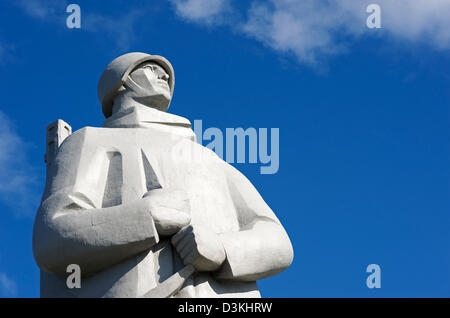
(136, 201)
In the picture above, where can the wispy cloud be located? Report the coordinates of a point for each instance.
(313, 30)
(419, 20)
(19, 188)
(121, 29)
(8, 287)
(40, 9)
(306, 28)
(205, 11)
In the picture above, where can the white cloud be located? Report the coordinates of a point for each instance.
(418, 20)
(8, 287)
(201, 10)
(315, 29)
(19, 188)
(308, 29)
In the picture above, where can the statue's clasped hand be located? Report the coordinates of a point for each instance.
(169, 209)
(196, 245)
(200, 247)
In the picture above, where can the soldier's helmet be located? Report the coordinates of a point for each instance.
(116, 73)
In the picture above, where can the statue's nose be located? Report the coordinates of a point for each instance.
(164, 76)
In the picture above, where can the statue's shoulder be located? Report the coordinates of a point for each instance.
(96, 136)
(80, 134)
(84, 136)
(91, 132)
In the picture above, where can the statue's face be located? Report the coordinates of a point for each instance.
(153, 85)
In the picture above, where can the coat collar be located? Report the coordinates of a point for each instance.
(145, 117)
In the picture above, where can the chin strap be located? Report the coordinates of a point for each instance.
(135, 87)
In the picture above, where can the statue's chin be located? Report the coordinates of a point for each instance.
(158, 101)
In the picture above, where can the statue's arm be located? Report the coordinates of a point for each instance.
(73, 227)
(262, 247)
(95, 239)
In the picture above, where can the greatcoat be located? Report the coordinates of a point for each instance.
(91, 212)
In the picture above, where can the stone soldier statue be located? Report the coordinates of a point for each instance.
(141, 220)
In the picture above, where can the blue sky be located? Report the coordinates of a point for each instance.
(363, 118)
